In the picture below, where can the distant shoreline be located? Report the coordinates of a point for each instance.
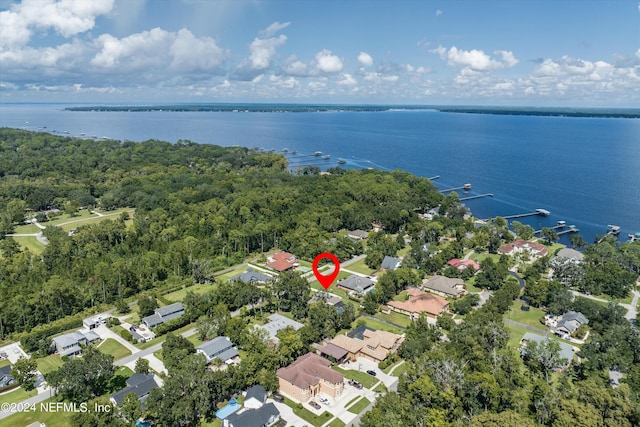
(629, 113)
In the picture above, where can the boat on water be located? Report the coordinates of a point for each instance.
(613, 229)
(634, 237)
(561, 223)
(327, 157)
(341, 161)
(285, 150)
(318, 153)
(294, 152)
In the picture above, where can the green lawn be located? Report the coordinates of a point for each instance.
(402, 296)
(158, 354)
(337, 423)
(397, 318)
(199, 289)
(470, 285)
(17, 395)
(114, 348)
(26, 229)
(29, 243)
(51, 419)
(362, 377)
(4, 362)
(307, 415)
(401, 369)
(359, 406)
(515, 335)
(352, 401)
(377, 325)
(530, 317)
(195, 340)
(361, 267)
(380, 388)
(49, 363)
(215, 423)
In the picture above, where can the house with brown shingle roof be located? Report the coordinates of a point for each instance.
(420, 302)
(444, 286)
(309, 376)
(374, 345)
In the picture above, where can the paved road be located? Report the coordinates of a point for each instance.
(520, 279)
(632, 312)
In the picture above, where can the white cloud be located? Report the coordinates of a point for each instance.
(285, 83)
(295, 67)
(365, 59)
(274, 28)
(347, 79)
(438, 12)
(638, 51)
(475, 59)
(263, 50)
(327, 62)
(66, 17)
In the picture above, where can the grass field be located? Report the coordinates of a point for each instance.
(530, 317)
(362, 377)
(471, 285)
(49, 363)
(397, 318)
(114, 348)
(17, 395)
(515, 335)
(4, 362)
(29, 243)
(401, 369)
(377, 325)
(26, 229)
(336, 423)
(359, 406)
(228, 275)
(199, 289)
(380, 388)
(361, 267)
(195, 340)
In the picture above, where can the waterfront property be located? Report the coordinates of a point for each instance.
(309, 376)
(521, 246)
(568, 254)
(164, 314)
(420, 302)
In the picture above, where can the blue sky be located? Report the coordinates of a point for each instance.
(515, 52)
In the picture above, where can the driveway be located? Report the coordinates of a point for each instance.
(105, 333)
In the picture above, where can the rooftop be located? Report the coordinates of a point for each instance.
(420, 302)
(307, 370)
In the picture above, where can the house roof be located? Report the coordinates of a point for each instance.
(570, 254)
(91, 336)
(220, 347)
(141, 390)
(256, 392)
(352, 345)
(170, 309)
(566, 351)
(356, 282)
(390, 263)
(384, 338)
(420, 301)
(137, 379)
(334, 351)
(254, 417)
(444, 284)
(282, 261)
(307, 370)
(359, 332)
(278, 322)
(462, 264)
(360, 234)
(251, 276)
(523, 244)
(153, 320)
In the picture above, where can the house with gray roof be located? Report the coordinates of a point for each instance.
(390, 263)
(444, 286)
(139, 384)
(566, 351)
(356, 284)
(569, 322)
(264, 416)
(277, 322)
(255, 397)
(570, 254)
(358, 235)
(5, 377)
(218, 348)
(71, 344)
(164, 314)
(251, 276)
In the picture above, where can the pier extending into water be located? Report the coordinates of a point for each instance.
(476, 197)
(571, 229)
(541, 212)
(465, 187)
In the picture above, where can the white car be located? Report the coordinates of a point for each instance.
(324, 400)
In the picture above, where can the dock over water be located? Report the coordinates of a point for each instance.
(541, 212)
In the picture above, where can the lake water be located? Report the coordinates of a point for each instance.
(585, 171)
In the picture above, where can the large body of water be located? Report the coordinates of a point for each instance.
(585, 171)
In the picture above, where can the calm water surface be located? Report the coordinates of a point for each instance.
(586, 171)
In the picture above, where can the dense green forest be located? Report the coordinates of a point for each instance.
(199, 208)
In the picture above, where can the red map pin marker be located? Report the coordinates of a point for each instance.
(326, 281)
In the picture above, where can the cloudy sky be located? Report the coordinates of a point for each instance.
(513, 52)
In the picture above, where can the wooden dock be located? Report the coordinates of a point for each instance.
(476, 197)
(465, 187)
(541, 212)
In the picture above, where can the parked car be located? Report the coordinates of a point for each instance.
(314, 405)
(278, 397)
(371, 372)
(355, 384)
(324, 400)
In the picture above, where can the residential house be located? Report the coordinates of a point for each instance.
(71, 344)
(282, 261)
(255, 397)
(570, 255)
(358, 235)
(420, 302)
(6, 379)
(463, 264)
(309, 376)
(264, 416)
(390, 263)
(569, 322)
(377, 226)
(374, 345)
(521, 246)
(251, 276)
(219, 348)
(139, 384)
(444, 286)
(329, 299)
(277, 322)
(334, 353)
(566, 351)
(91, 322)
(164, 314)
(357, 284)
